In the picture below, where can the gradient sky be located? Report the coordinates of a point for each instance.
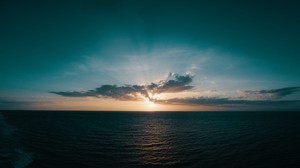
(150, 55)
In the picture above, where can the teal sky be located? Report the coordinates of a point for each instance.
(245, 53)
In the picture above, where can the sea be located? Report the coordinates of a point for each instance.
(85, 139)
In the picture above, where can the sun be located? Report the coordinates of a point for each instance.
(150, 105)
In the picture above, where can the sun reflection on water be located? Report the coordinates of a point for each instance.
(154, 145)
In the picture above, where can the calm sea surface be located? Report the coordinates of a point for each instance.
(41, 139)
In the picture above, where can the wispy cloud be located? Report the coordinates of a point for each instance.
(12, 104)
(172, 84)
(272, 93)
(217, 101)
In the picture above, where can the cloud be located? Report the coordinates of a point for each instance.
(123, 92)
(175, 83)
(172, 84)
(216, 101)
(271, 94)
(262, 98)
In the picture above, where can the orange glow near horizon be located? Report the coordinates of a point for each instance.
(150, 106)
(95, 104)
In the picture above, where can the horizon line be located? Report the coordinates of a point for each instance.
(168, 111)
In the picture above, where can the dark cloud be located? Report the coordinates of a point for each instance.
(129, 92)
(215, 101)
(174, 83)
(177, 83)
(273, 93)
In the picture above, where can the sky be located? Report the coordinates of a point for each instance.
(150, 55)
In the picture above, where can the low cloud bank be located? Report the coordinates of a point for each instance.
(175, 83)
(172, 84)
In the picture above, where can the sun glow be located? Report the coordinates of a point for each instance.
(150, 105)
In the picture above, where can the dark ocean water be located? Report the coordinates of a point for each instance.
(40, 139)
